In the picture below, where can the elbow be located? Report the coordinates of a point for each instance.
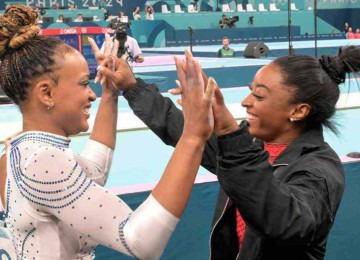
(298, 231)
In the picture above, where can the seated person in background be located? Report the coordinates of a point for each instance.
(350, 34)
(226, 51)
(60, 19)
(72, 7)
(79, 18)
(149, 13)
(223, 23)
(57, 6)
(136, 13)
(36, 7)
(357, 33)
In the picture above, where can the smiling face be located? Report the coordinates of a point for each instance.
(269, 107)
(72, 96)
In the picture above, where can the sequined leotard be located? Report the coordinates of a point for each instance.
(56, 207)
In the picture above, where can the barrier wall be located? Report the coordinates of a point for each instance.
(240, 35)
(191, 238)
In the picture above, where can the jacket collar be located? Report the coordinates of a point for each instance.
(306, 142)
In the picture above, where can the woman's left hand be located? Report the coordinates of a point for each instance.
(109, 54)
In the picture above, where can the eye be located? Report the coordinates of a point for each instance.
(258, 97)
(84, 82)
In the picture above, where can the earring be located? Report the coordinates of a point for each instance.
(51, 106)
(292, 119)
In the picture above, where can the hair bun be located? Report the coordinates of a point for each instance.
(17, 26)
(334, 67)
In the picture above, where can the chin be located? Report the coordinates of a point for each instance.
(84, 128)
(78, 130)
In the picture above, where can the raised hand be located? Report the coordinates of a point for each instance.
(196, 101)
(224, 122)
(112, 68)
(122, 77)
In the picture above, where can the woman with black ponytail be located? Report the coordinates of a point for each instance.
(281, 183)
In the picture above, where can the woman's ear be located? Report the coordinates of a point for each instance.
(44, 90)
(300, 112)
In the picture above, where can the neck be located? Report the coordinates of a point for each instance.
(40, 122)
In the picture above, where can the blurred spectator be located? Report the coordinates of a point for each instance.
(72, 6)
(350, 34)
(79, 18)
(57, 6)
(136, 13)
(60, 19)
(357, 33)
(346, 28)
(40, 19)
(149, 12)
(37, 7)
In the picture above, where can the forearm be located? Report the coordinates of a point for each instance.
(174, 188)
(157, 112)
(104, 130)
(162, 116)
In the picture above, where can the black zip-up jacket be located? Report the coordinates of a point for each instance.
(289, 207)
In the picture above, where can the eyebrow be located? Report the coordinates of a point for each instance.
(85, 75)
(263, 86)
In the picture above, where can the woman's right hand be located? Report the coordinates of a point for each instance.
(224, 122)
(196, 101)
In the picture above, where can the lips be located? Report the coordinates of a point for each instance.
(250, 116)
(86, 110)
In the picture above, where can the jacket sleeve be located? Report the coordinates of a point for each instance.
(161, 115)
(289, 213)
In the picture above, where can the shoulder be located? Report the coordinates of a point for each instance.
(46, 162)
(323, 163)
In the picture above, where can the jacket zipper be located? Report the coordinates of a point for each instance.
(222, 214)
